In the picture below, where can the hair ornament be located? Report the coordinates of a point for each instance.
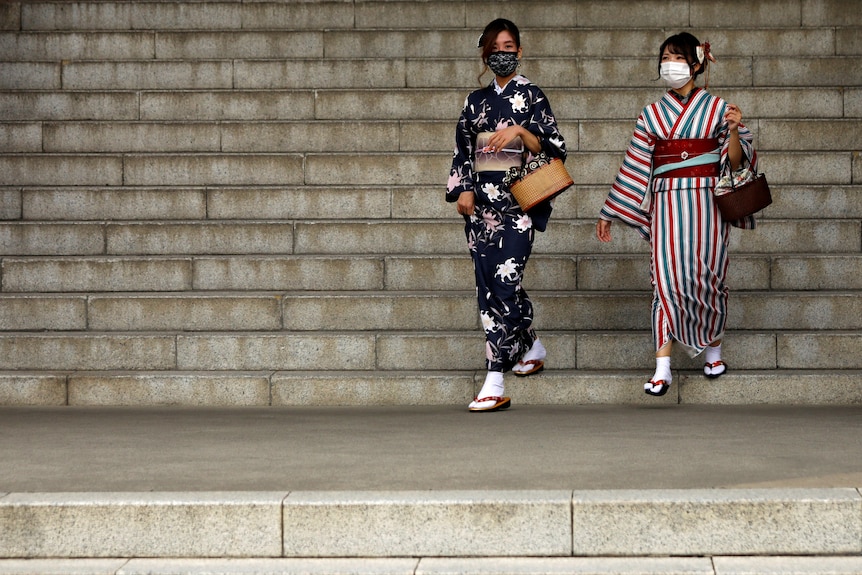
(703, 52)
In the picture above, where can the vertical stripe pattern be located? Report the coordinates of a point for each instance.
(679, 217)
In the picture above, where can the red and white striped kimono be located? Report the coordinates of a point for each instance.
(676, 212)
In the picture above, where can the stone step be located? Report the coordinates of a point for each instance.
(553, 41)
(176, 16)
(369, 136)
(400, 273)
(176, 274)
(152, 237)
(722, 565)
(345, 202)
(553, 386)
(569, 104)
(387, 237)
(445, 524)
(400, 351)
(321, 169)
(450, 311)
(398, 311)
(320, 73)
(166, 16)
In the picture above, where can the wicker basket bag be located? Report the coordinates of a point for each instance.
(541, 179)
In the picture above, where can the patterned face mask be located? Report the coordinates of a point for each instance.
(503, 64)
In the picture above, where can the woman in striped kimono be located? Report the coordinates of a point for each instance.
(664, 189)
(498, 124)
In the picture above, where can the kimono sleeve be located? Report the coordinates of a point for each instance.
(749, 158)
(625, 200)
(461, 176)
(544, 125)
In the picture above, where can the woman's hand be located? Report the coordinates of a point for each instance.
(502, 138)
(466, 203)
(733, 116)
(603, 230)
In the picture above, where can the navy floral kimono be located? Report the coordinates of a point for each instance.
(499, 233)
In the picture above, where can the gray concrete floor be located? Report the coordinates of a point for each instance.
(428, 448)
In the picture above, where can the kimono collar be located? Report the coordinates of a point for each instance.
(684, 99)
(500, 89)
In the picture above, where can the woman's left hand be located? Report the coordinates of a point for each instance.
(733, 116)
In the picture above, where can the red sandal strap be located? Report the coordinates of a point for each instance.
(494, 398)
(713, 364)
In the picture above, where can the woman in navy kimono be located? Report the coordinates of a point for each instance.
(499, 123)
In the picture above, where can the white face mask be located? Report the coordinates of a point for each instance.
(675, 74)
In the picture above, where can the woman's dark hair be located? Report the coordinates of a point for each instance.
(492, 30)
(686, 45)
(489, 36)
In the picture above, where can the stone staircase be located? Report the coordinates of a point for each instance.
(241, 203)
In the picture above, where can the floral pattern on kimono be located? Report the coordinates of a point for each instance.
(499, 233)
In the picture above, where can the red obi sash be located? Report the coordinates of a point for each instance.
(696, 158)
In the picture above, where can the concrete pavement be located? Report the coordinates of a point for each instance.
(607, 490)
(428, 448)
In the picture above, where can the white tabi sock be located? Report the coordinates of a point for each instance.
(662, 370)
(537, 351)
(713, 354)
(662, 373)
(493, 386)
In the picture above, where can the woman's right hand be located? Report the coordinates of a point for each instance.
(466, 203)
(603, 230)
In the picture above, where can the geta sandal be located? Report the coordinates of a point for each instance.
(531, 366)
(656, 388)
(498, 403)
(713, 365)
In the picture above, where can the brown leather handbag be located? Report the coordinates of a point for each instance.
(742, 194)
